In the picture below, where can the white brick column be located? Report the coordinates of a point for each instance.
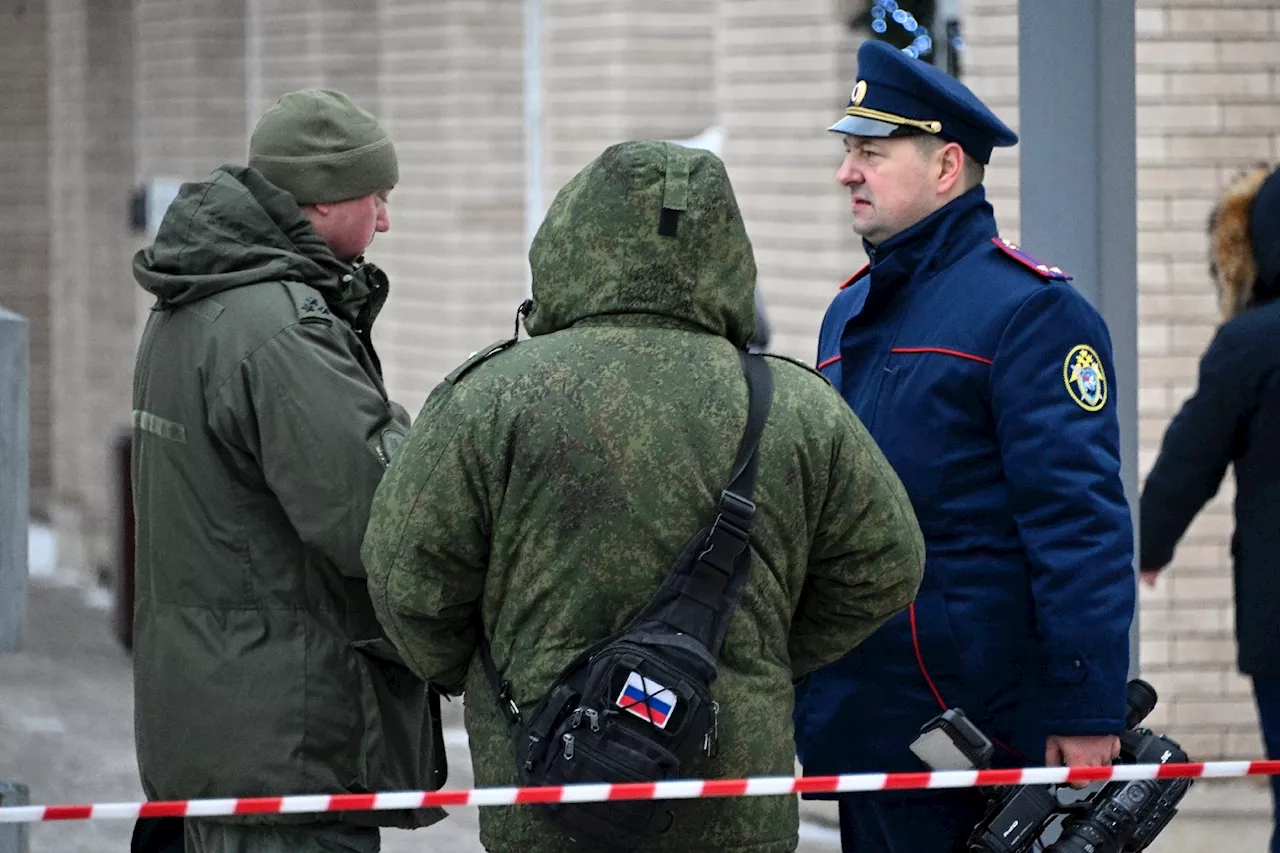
(91, 171)
(24, 233)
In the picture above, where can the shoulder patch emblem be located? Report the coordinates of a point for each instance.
(477, 357)
(1034, 264)
(311, 309)
(1085, 378)
(859, 274)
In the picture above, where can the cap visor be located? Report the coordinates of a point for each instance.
(859, 126)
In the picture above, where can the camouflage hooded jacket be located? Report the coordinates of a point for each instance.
(548, 485)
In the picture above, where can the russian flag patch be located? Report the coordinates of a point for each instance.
(647, 699)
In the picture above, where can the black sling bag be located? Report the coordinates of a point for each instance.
(636, 705)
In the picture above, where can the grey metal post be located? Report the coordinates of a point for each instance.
(1079, 175)
(13, 836)
(14, 462)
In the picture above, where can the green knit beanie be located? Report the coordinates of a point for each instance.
(318, 146)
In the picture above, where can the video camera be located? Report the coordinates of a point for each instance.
(1118, 818)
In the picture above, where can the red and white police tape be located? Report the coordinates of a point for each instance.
(686, 789)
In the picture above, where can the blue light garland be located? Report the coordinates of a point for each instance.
(882, 10)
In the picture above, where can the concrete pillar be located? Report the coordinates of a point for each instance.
(1079, 175)
(13, 836)
(14, 461)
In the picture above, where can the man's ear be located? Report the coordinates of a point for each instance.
(322, 208)
(950, 165)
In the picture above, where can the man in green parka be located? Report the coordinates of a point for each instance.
(261, 429)
(548, 486)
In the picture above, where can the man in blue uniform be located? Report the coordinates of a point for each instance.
(987, 381)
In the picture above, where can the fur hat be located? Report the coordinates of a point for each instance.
(1244, 241)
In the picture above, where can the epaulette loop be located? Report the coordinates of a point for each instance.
(477, 358)
(1030, 262)
(798, 363)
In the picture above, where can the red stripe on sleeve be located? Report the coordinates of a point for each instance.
(942, 351)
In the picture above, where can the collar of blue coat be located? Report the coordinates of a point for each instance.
(935, 242)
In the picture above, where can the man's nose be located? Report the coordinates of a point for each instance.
(848, 174)
(384, 220)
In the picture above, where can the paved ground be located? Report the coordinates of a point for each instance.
(66, 731)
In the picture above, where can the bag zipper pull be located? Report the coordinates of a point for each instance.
(568, 747)
(594, 717)
(577, 718)
(711, 741)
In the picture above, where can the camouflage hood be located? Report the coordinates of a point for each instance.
(648, 228)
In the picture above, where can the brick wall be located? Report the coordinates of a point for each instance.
(450, 95)
(320, 43)
(785, 71)
(615, 70)
(990, 69)
(190, 86)
(90, 172)
(24, 235)
(1207, 80)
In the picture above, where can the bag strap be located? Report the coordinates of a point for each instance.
(760, 391)
(698, 596)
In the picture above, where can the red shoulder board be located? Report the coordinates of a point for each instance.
(859, 274)
(1034, 264)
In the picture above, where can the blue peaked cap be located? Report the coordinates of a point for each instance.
(897, 94)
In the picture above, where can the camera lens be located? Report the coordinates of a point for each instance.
(1140, 699)
(1080, 837)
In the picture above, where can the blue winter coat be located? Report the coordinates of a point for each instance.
(987, 381)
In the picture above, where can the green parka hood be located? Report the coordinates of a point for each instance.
(233, 229)
(646, 228)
